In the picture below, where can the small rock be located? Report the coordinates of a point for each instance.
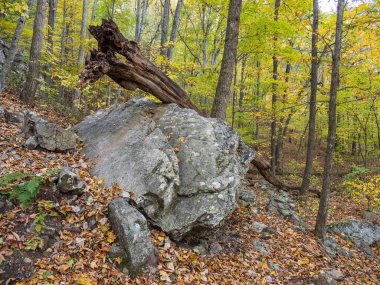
(27, 260)
(201, 249)
(325, 279)
(215, 248)
(335, 274)
(133, 234)
(246, 197)
(31, 143)
(69, 182)
(258, 227)
(273, 266)
(91, 222)
(371, 216)
(261, 247)
(13, 118)
(2, 113)
(269, 279)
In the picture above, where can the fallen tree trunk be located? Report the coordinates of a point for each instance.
(138, 72)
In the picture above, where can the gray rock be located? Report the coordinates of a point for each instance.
(325, 279)
(329, 277)
(201, 249)
(335, 274)
(183, 169)
(133, 235)
(259, 227)
(332, 248)
(2, 113)
(48, 135)
(362, 233)
(261, 247)
(246, 197)
(31, 142)
(70, 182)
(279, 202)
(13, 118)
(215, 248)
(371, 216)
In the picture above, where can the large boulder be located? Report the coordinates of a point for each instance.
(134, 236)
(184, 170)
(362, 233)
(48, 135)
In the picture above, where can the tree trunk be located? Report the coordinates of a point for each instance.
(10, 56)
(53, 4)
(83, 35)
(94, 5)
(274, 95)
(229, 54)
(31, 84)
(320, 226)
(63, 48)
(165, 27)
(138, 72)
(138, 21)
(175, 27)
(313, 103)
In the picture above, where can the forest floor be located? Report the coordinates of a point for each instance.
(75, 239)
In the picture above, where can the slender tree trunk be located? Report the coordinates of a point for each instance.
(31, 84)
(165, 27)
(257, 96)
(138, 21)
(53, 4)
(320, 226)
(234, 95)
(83, 33)
(229, 54)
(94, 5)
(242, 79)
(82, 51)
(10, 56)
(175, 27)
(274, 95)
(63, 47)
(280, 131)
(313, 104)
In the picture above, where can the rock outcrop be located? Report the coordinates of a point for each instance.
(184, 170)
(362, 233)
(134, 236)
(47, 135)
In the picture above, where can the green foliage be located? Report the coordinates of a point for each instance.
(356, 172)
(366, 191)
(11, 178)
(26, 192)
(23, 186)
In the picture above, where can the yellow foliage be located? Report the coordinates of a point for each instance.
(366, 191)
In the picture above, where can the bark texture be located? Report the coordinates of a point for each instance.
(165, 27)
(274, 95)
(173, 34)
(135, 72)
(228, 61)
(320, 226)
(313, 104)
(31, 84)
